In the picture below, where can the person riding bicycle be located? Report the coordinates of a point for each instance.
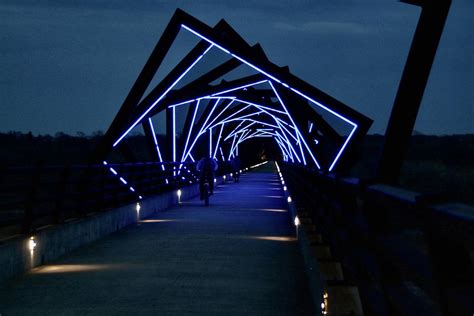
(206, 168)
(235, 164)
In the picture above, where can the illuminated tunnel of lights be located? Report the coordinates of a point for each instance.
(227, 92)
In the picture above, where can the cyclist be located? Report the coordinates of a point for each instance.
(235, 164)
(206, 168)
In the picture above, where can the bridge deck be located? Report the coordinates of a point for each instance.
(236, 256)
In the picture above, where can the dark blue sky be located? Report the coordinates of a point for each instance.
(67, 65)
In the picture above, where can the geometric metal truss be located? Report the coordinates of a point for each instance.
(309, 126)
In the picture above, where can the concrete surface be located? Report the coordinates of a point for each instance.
(54, 241)
(237, 256)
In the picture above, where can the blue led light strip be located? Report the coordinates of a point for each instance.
(161, 97)
(240, 118)
(232, 132)
(339, 116)
(122, 180)
(220, 113)
(260, 106)
(256, 68)
(235, 113)
(239, 129)
(210, 142)
(233, 55)
(202, 129)
(285, 131)
(174, 133)
(156, 144)
(232, 146)
(218, 141)
(260, 133)
(300, 137)
(263, 123)
(283, 150)
(324, 107)
(291, 150)
(242, 136)
(283, 147)
(179, 104)
(285, 140)
(275, 118)
(342, 149)
(294, 90)
(222, 154)
(183, 158)
(188, 152)
(297, 130)
(205, 125)
(266, 133)
(204, 38)
(240, 87)
(254, 134)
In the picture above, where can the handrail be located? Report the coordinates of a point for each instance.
(405, 251)
(35, 196)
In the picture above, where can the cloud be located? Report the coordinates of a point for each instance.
(323, 27)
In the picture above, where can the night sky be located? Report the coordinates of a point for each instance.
(66, 66)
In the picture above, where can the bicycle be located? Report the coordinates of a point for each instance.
(206, 193)
(204, 189)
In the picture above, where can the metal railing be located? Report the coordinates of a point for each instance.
(32, 197)
(406, 252)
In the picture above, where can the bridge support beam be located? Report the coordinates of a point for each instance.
(412, 86)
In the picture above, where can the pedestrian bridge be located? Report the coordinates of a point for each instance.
(239, 255)
(360, 248)
(119, 236)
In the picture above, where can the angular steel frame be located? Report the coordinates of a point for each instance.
(296, 97)
(412, 86)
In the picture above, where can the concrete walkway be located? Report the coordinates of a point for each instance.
(236, 257)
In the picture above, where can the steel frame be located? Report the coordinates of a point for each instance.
(236, 110)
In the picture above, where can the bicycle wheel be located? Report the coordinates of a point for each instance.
(206, 194)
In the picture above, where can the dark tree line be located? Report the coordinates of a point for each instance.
(433, 164)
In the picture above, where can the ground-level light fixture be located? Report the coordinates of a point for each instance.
(297, 224)
(32, 243)
(297, 221)
(324, 304)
